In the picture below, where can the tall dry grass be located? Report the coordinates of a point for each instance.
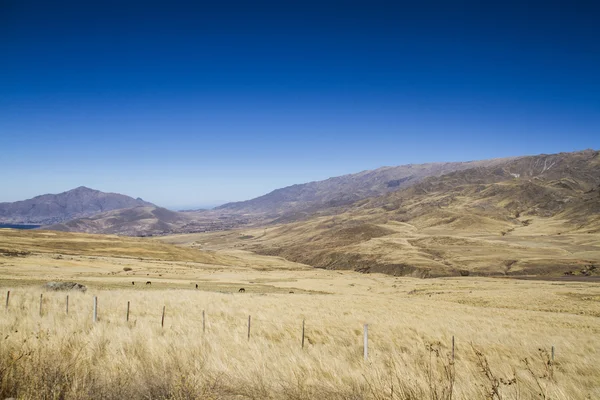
(499, 354)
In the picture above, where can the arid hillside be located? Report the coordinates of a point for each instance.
(535, 215)
(309, 197)
(150, 221)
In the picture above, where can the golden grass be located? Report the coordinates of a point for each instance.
(410, 342)
(500, 325)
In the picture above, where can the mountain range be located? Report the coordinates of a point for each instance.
(518, 215)
(530, 213)
(524, 216)
(347, 189)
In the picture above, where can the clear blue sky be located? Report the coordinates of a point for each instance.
(190, 105)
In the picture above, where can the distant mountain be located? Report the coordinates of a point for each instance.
(55, 208)
(347, 189)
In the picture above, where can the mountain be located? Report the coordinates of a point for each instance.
(55, 208)
(527, 215)
(347, 189)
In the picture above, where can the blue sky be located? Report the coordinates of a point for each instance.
(191, 105)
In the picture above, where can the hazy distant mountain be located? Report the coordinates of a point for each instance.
(55, 208)
(347, 189)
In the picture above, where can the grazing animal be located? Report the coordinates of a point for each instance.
(291, 292)
(133, 283)
(242, 290)
(148, 283)
(196, 286)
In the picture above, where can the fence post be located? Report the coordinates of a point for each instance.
(95, 309)
(127, 318)
(203, 322)
(41, 297)
(249, 319)
(162, 321)
(302, 333)
(67, 305)
(452, 347)
(366, 341)
(552, 353)
(7, 297)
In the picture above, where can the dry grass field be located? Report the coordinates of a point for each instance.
(504, 329)
(376, 243)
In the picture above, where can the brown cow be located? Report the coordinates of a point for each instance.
(242, 290)
(148, 283)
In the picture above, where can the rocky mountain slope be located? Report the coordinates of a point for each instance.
(531, 215)
(55, 208)
(343, 190)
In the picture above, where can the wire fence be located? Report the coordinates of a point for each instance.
(247, 326)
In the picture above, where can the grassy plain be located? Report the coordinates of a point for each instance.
(504, 329)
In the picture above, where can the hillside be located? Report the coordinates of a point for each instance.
(137, 221)
(55, 208)
(531, 215)
(347, 189)
(148, 221)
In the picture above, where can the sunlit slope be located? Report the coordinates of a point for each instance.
(533, 215)
(26, 242)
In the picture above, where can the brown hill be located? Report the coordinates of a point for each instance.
(54, 208)
(147, 221)
(137, 221)
(531, 215)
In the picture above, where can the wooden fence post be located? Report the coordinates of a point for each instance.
(249, 319)
(95, 317)
(67, 305)
(162, 321)
(127, 317)
(552, 353)
(7, 297)
(203, 322)
(366, 341)
(452, 347)
(41, 298)
(302, 333)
